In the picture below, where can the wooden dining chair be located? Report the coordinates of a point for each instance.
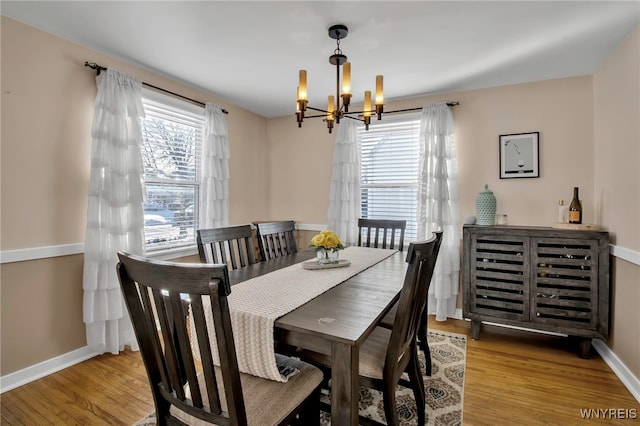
(381, 233)
(232, 246)
(387, 353)
(276, 239)
(190, 389)
(423, 344)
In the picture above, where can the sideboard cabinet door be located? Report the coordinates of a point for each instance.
(565, 283)
(500, 276)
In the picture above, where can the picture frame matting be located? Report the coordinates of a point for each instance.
(519, 155)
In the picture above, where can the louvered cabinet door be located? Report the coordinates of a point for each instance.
(500, 276)
(565, 283)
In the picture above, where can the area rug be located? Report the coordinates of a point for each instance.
(444, 388)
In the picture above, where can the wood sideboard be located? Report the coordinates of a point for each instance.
(553, 280)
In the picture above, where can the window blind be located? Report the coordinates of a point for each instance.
(171, 153)
(389, 170)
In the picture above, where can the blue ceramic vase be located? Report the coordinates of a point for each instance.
(485, 207)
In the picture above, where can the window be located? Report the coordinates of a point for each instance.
(172, 139)
(389, 153)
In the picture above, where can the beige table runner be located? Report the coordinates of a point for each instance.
(255, 304)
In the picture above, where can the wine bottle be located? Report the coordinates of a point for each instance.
(575, 208)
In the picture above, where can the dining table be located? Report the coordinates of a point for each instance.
(337, 321)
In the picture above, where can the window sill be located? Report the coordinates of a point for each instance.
(173, 253)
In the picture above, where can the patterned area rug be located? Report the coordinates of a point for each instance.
(444, 389)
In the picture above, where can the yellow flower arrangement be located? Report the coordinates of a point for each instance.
(326, 240)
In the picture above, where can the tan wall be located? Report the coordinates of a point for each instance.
(624, 340)
(567, 113)
(558, 109)
(281, 172)
(41, 306)
(616, 91)
(561, 110)
(300, 169)
(616, 88)
(47, 113)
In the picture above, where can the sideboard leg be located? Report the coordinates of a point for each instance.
(584, 348)
(475, 329)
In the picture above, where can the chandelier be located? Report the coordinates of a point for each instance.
(338, 106)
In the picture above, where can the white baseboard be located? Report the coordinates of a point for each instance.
(631, 382)
(53, 365)
(624, 374)
(531, 330)
(42, 369)
(37, 371)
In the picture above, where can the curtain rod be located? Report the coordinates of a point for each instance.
(99, 68)
(449, 104)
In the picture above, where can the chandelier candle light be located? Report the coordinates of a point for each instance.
(335, 109)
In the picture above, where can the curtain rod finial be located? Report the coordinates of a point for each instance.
(94, 66)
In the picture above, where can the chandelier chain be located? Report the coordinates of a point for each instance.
(337, 51)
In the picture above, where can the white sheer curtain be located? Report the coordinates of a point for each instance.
(115, 217)
(214, 185)
(344, 196)
(438, 204)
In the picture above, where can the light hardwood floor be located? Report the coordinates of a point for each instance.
(512, 378)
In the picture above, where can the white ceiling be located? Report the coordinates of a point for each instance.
(249, 53)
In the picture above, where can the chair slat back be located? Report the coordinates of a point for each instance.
(232, 246)
(422, 257)
(276, 239)
(381, 233)
(158, 296)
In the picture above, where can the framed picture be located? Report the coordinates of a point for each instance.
(519, 155)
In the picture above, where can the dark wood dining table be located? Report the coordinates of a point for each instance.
(338, 321)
